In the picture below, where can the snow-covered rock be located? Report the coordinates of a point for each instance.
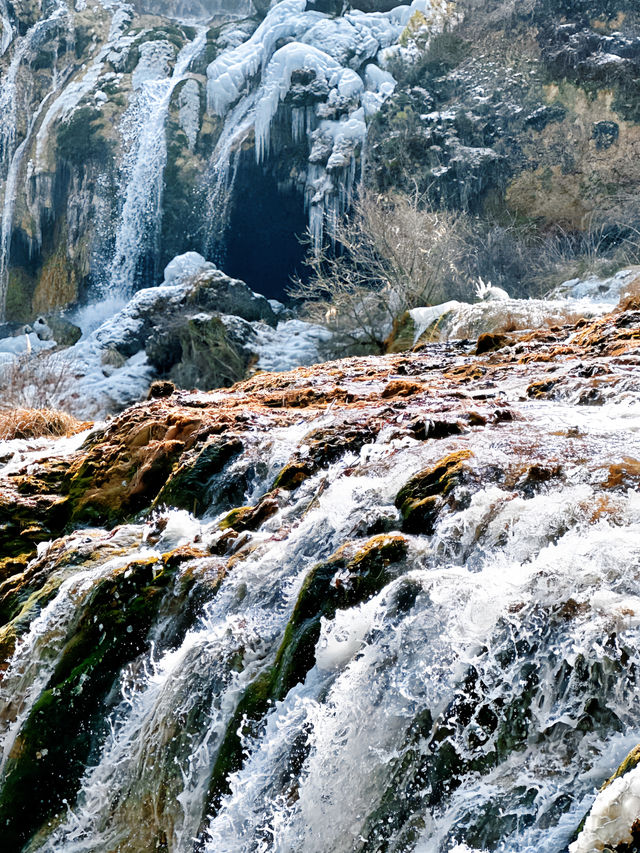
(489, 293)
(189, 115)
(184, 266)
(114, 364)
(612, 816)
(154, 63)
(24, 344)
(596, 289)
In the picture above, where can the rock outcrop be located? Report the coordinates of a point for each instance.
(149, 136)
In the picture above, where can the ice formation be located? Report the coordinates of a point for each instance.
(183, 266)
(334, 64)
(613, 814)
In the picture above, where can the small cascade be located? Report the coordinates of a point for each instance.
(143, 127)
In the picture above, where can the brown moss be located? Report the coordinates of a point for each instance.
(630, 297)
(401, 388)
(402, 334)
(542, 389)
(625, 474)
(123, 469)
(476, 419)
(490, 342)
(11, 566)
(467, 372)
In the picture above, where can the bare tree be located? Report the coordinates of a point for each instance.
(391, 254)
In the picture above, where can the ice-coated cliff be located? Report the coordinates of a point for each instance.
(137, 120)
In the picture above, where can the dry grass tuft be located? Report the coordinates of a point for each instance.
(38, 423)
(36, 381)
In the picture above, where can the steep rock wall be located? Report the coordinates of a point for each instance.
(129, 137)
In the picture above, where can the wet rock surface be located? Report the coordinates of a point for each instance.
(168, 449)
(248, 466)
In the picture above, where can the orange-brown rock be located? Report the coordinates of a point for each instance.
(166, 450)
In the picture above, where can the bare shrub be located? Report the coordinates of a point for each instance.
(391, 254)
(36, 381)
(37, 423)
(529, 261)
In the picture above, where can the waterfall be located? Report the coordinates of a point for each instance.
(470, 701)
(139, 222)
(7, 29)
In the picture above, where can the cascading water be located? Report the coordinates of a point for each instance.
(418, 632)
(144, 123)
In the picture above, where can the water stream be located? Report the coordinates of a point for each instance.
(144, 125)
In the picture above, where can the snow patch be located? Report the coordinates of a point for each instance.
(293, 343)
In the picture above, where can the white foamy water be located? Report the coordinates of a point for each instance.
(144, 124)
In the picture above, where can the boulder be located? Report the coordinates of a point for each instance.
(157, 314)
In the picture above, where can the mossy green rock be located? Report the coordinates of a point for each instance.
(250, 517)
(68, 720)
(187, 486)
(421, 499)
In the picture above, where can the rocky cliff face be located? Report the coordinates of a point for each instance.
(526, 113)
(129, 136)
(414, 576)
